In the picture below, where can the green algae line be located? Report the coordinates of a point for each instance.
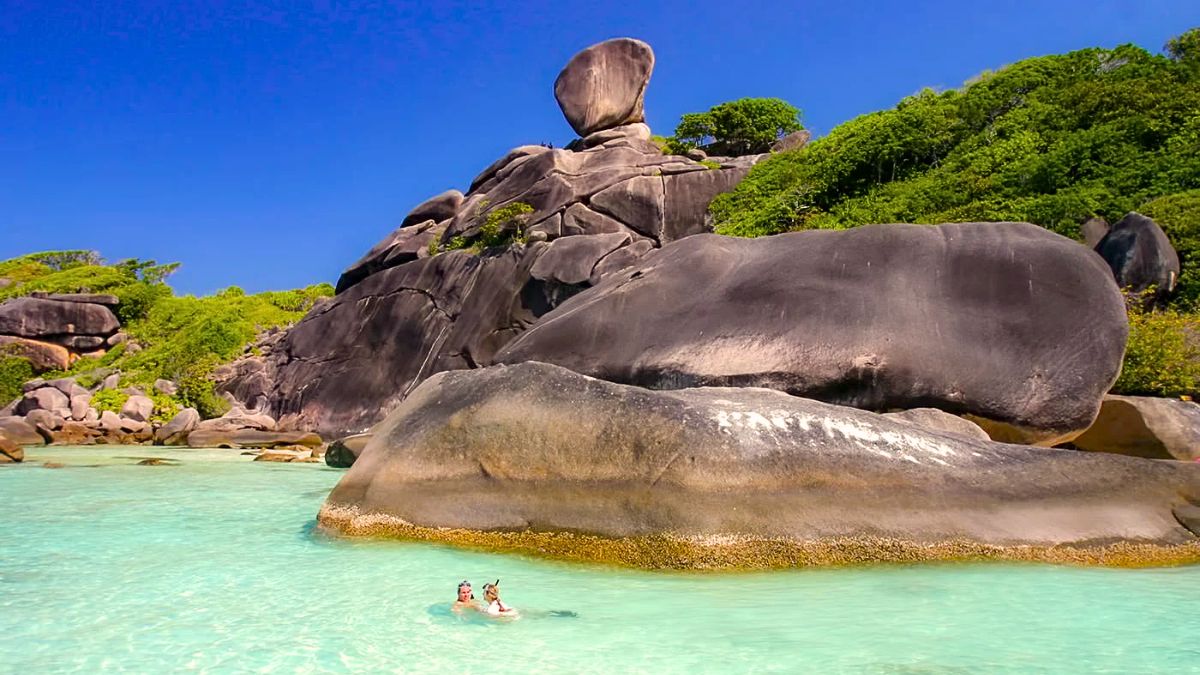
(735, 552)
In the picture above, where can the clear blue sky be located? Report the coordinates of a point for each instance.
(268, 145)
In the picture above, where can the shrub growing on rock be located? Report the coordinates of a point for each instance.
(110, 400)
(743, 127)
(504, 226)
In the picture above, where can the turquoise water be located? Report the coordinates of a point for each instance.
(214, 566)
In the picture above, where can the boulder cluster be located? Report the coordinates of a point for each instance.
(467, 272)
(61, 412)
(616, 371)
(52, 330)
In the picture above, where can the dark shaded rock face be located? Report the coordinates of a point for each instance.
(1140, 255)
(1140, 426)
(352, 359)
(603, 86)
(31, 317)
(410, 308)
(1009, 323)
(536, 447)
(343, 452)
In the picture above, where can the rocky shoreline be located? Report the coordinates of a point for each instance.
(741, 553)
(565, 361)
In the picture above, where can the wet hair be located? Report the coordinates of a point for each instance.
(468, 585)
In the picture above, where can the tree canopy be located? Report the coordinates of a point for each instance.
(742, 127)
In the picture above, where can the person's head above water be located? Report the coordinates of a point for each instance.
(464, 591)
(491, 591)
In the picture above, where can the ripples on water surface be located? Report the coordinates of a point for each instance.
(214, 566)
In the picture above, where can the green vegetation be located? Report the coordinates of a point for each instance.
(182, 338)
(1162, 357)
(743, 127)
(109, 400)
(501, 227)
(1050, 140)
(504, 225)
(711, 164)
(14, 372)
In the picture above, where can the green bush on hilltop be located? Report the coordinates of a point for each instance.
(1051, 140)
(742, 127)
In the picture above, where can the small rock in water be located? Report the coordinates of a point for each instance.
(157, 461)
(52, 465)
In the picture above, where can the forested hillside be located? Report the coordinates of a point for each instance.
(1051, 140)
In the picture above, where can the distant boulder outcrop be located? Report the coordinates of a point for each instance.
(1017, 327)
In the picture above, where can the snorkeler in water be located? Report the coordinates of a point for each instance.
(466, 598)
(491, 595)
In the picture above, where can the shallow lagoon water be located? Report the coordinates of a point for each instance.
(215, 565)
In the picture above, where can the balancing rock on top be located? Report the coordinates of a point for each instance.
(602, 86)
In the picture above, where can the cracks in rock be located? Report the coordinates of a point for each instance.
(410, 289)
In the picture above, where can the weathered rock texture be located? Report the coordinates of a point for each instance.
(410, 307)
(42, 356)
(1159, 428)
(536, 448)
(52, 330)
(1018, 327)
(603, 86)
(1140, 255)
(937, 420)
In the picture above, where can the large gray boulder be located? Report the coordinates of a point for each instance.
(31, 317)
(1142, 426)
(138, 408)
(465, 274)
(176, 431)
(535, 449)
(603, 86)
(45, 398)
(1011, 324)
(1140, 255)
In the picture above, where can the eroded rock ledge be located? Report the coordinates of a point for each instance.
(536, 458)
